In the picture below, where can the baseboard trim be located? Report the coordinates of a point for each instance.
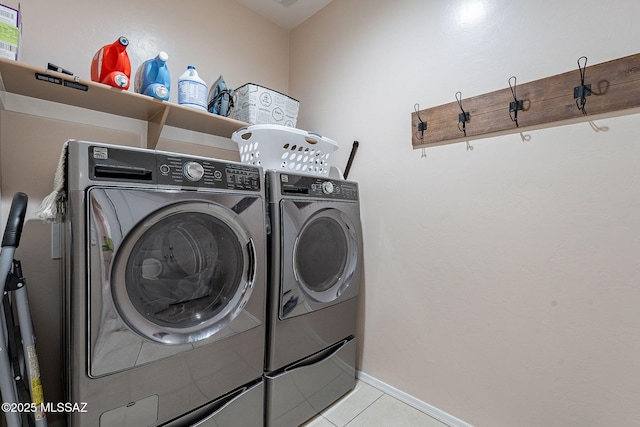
(432, 411)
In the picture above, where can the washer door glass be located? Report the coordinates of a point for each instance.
(325, 255)
(184, 273)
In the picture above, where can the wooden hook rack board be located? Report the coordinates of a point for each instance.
(615, 87)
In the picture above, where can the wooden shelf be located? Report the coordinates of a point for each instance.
(19, 78)
(615, 88)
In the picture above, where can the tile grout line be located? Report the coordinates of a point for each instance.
(329, 421)
(361, 412)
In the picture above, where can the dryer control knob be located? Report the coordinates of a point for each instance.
(327, 187)
(193, 171)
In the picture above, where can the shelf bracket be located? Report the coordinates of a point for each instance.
(155, 125)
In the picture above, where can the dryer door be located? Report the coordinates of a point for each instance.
(320, 255)
(176, 270)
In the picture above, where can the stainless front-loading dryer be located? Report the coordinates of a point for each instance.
(164, 289)
(315, 278)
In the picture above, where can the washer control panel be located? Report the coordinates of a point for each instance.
(318, 187)
(206, 173)
(148, 167)
(107, 163)
(193, 171)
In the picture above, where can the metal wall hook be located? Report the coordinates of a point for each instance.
(422, 126)
(515, 105)
(581, 92)
(464, 116)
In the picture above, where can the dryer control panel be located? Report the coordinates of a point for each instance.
(206, 173)
(317, 187)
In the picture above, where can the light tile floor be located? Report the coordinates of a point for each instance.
(366, 406)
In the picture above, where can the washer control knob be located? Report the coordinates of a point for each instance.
(193, 171)
(327, 187)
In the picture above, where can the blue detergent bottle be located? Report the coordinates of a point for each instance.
(153, 78)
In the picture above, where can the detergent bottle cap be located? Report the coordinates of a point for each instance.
(161, 92)
(162, 56)
(121, 80)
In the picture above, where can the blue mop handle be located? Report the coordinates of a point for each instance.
(13, 231)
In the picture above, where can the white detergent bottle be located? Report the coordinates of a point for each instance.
(192, 90)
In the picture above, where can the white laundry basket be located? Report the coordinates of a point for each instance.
(277, 147)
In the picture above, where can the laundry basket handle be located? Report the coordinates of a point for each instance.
(15, 221)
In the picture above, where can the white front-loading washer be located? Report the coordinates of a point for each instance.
(165, 279)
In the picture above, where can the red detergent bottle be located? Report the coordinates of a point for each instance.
(111, 65)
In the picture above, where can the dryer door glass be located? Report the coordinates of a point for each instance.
(325, 255)
(184, 273)
(321, 254)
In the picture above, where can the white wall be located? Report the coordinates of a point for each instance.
(216, 37)
(502, 284)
